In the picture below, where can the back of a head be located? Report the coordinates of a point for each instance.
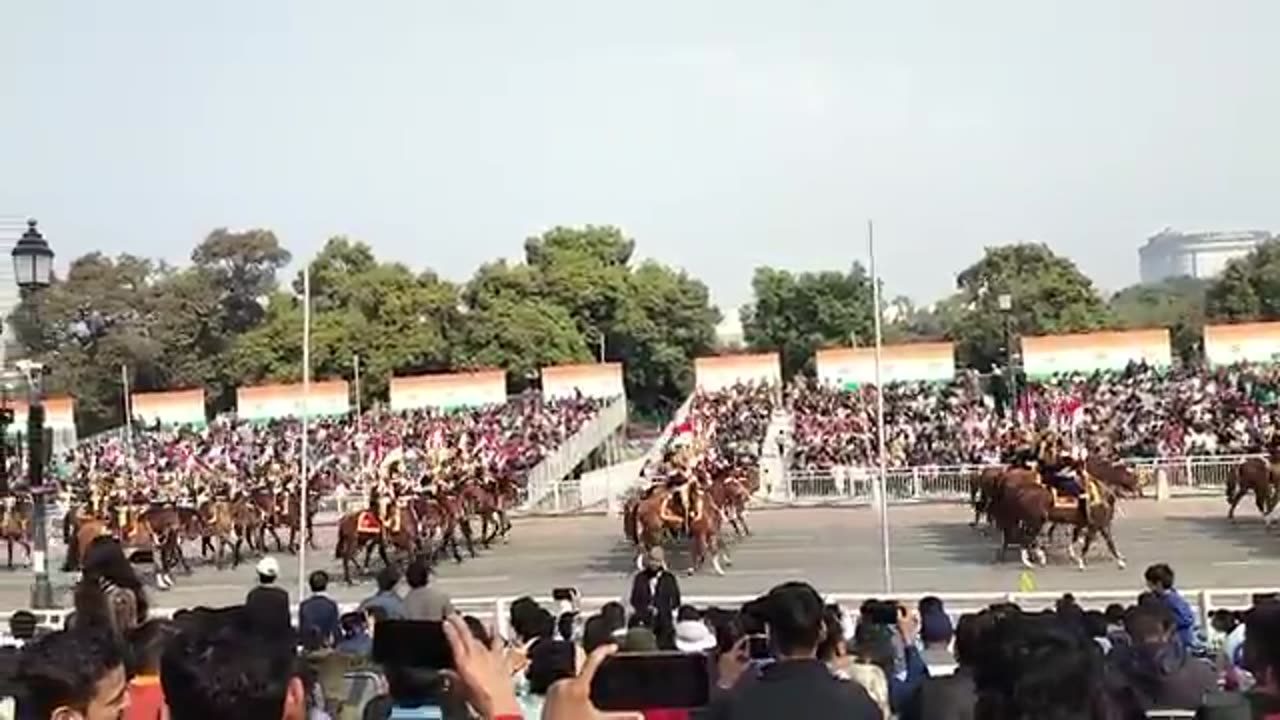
(1035, 666)
(794, 615)
(64, 669)
(971, 631)
(387, 579)
(1262, 641)
(614, 614)
(146, 645)
(688, 613)
(1159, 576)
(548, 662)
(318, 581)
(22, 625)
(1148, 623)
(417, 574)
(222, 668)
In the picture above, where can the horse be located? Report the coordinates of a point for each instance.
(732, 497)
(1022, 506)
(443, 514)
(222, 530)
(982, 489)
(15, 524)
(1257, 476)
(137, 535)
(271, 518)
(291, 518)
(363, 530)
(489, 506)
(645, 527)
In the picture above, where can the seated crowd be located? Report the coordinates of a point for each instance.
(1140, 412)
(786, 653)
(497, 441)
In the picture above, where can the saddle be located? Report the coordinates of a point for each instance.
(368, 523)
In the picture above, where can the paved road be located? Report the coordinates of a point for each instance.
(933, 549)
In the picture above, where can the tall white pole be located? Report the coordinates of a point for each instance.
(306, 430)
(359, 419)
(886, 566)
(128, 405)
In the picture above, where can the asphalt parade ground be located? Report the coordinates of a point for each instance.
(933, 549)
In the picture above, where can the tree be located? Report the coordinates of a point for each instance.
(797, 314)
(244, 265)
(932, 323)
(1176, 303)
(1050, 295)
(398, 322)
(1248, 288)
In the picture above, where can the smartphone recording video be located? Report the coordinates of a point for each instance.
(412, 643)
(758, 648)
(651, 681)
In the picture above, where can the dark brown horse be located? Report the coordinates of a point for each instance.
(271, 508)
(732, 497)
(362, 530)
(982, 488)
(645, 526)
(490, 507)
(442, 519)
(15, 524)
(1257, 476)
(1022, 507)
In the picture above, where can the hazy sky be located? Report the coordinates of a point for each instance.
(721, 135)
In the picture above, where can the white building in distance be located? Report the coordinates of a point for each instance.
(1170, 253)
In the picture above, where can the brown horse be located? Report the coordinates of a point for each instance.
(154, 532)
(490, 507)
(1022, 506)
(223, 525)
(1257, 476)
(292, 515)
(271, 512)
(15, 524)
(731, 496)
(362, 530)
(645, 527)
(982, 488)
(441, 520)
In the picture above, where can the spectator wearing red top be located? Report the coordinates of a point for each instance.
(146, 696)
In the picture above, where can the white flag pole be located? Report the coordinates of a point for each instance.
(885, 562)
(306, 431)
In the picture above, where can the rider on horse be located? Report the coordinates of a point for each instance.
(679, 483)
(1060, 468)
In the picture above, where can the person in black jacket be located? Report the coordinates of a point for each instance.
(655, 589)
(318, 615)
(796, 683)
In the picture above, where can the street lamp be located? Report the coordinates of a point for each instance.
(33, 270)
(1005, 302)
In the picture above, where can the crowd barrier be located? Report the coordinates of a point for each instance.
(1190, 475)
(493, 610)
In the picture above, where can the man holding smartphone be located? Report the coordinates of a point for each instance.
(793, 617)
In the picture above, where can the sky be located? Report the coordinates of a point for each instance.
(721, 135)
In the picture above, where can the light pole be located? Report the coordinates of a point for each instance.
(33, 270)
(1005, 302)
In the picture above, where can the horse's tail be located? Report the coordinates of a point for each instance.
(340, 546)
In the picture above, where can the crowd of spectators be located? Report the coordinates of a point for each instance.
(499, 441)
(1137, 413)
(734, 419)
(787, 652)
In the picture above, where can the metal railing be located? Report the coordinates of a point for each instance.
(545, 480)
(1191, 475)
(494, 609)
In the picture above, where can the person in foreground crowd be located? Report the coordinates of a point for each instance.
(797, 681)
(146, 644)
(1159, 579)
(109, 592)
(76, 674)
(1155, 670)
(318, 615)
(424, 601)
(951, 697)
(386, 597)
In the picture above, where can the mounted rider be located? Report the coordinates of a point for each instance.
(1062, 468)
(678, 481)
(383, 500)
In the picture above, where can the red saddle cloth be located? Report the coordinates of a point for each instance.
(367, 522)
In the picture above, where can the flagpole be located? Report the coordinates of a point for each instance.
(128, 406)
(306, 394)
(359, 417)
(885, 563)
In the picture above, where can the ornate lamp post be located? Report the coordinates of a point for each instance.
(33, 270)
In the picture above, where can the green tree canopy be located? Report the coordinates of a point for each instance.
(1249, 288)
(1176, 303)
(1050, 295)
(798, 314)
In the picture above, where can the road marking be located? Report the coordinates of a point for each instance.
(1246, 563)
(780, 573)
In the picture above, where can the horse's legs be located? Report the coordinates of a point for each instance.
(9, 542)
(275, 533)
(1111, 545)
(465, 526)
(1234, 499)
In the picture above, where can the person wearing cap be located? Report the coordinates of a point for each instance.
(692, 634)
(268, 604)
(654, 588)
(797, 681)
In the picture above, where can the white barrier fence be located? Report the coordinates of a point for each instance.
(494, 610)
(951, 483)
